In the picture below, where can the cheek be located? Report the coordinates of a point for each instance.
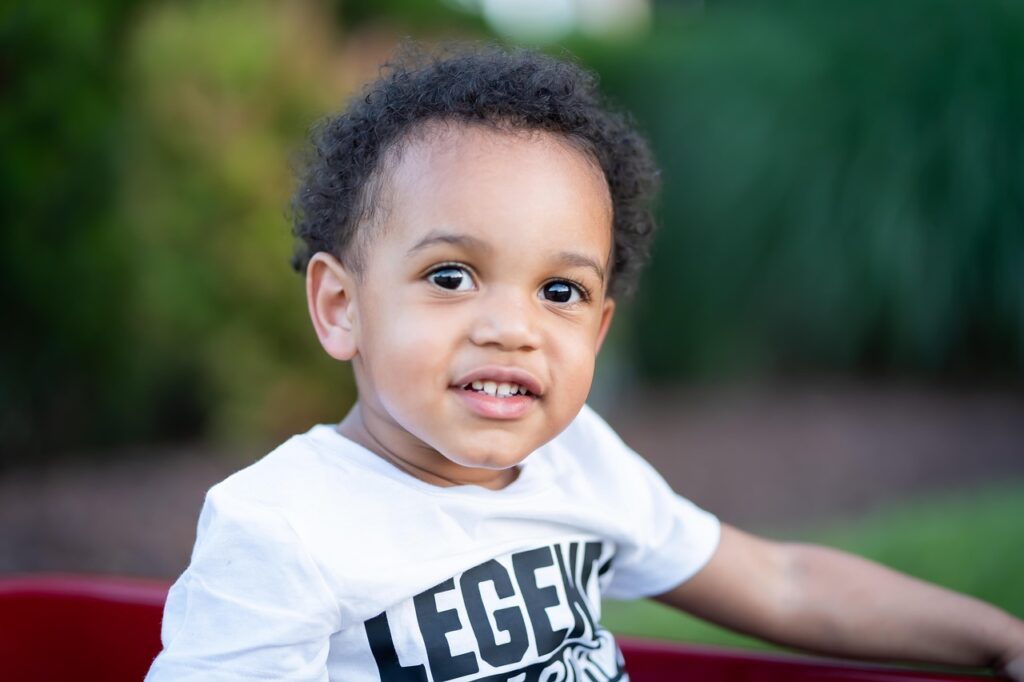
(407, 345)
(574, 363)
(583, 377)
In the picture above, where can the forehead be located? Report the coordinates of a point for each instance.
(498, 185)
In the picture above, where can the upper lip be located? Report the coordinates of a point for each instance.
(508, 375)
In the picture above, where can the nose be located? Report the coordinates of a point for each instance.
(506, 319)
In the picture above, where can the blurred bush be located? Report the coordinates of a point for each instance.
(843, 188)
(147, 249)
(222, 94)
(63, 271)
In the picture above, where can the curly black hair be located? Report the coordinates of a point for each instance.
(511, 90)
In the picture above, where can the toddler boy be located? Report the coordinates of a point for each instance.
(465, 228)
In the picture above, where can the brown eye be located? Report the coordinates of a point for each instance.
(561, 292)
(451, 277)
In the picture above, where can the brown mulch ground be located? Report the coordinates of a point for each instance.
(760, 458)
(801, 456)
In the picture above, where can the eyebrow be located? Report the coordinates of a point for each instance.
(580, 260)
(466, 241)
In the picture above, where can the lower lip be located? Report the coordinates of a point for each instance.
(493, 407)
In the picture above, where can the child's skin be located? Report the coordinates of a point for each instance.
(489, 261)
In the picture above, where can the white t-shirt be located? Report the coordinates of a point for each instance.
(322, 561)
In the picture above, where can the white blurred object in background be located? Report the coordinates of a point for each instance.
(547, 21)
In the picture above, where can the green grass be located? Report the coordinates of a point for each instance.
(969, 542)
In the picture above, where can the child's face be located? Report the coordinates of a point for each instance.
(488, 267)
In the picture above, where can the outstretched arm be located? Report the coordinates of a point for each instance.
(827, 601)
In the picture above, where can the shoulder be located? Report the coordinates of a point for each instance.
(592, 448)
(588, 429)
(295, 464)
(307, 476)
(661, 538)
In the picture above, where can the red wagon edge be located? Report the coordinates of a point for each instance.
(107, 628)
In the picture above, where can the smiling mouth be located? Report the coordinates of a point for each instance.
(497, 389)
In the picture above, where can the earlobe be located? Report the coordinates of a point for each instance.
(330, 296)
(607, 312)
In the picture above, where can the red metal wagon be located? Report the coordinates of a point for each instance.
(104, 629)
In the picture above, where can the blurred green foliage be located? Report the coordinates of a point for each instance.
(222, 95)
(411, 17)
(843, 188)
(145, 257)
(843, 193)
(62, 268)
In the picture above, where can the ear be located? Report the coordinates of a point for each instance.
(607, 312)
(330, 295)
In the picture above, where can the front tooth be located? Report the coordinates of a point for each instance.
(504, 390)
(478, 385)
(490, 388)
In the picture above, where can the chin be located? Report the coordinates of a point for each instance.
(490, 459)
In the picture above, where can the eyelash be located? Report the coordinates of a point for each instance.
(581, 288)
(441, 267)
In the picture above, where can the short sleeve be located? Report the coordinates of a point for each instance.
(667, 538)
(251, 605)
